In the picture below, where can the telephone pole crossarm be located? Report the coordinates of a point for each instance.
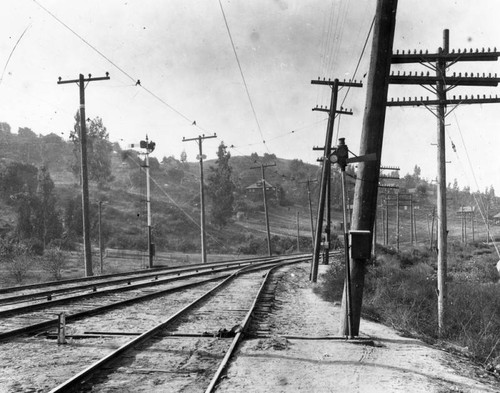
(340, 83)
(89, 79)
(340, 112)
(453, 101)
(448, 57)
(453, 80)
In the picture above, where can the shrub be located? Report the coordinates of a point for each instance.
(53, 261)
(19, 266)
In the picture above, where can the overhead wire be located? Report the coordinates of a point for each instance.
(123, 71)
(242, 75)
(12, 52)
(481, 206)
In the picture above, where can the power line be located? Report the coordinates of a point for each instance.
(135, 80)
(242, 75)
(12, 52)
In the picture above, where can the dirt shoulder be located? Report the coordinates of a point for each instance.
(385, 362)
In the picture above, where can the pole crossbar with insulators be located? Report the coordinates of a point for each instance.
(200, 157)
(81, 82)
(441, 83)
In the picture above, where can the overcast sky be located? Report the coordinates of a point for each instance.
(181, 52)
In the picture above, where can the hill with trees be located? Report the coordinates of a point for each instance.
(41, 203)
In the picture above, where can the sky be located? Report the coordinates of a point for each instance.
(181, 52)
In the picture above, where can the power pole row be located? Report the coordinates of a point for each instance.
(441, 84)
(200, 157)
(326, 167)
(84, 170)
(398, 200)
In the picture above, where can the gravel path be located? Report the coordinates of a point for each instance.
(391, 363)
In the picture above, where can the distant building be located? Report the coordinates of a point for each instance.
(254, 191)
(466, 211)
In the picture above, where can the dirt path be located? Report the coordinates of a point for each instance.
(386, 362)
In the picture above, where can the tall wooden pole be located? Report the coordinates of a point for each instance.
(298, 233)
(84, 171)
(269, 247)
(365, 196)
(200, 140)
(397, 221)
(310, 210)
(442, 231)
(325, 172)
(85, 182)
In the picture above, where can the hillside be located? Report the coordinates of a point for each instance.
(175, 199)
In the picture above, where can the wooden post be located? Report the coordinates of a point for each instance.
(442, 231)
(411, 220)
(365, 196)
(397, 221)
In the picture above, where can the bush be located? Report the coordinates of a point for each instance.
(400, 291)
(19, 267)
(53, 261)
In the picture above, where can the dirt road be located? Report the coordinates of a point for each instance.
(314, 361)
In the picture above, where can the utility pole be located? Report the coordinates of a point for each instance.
(100, 239)
(87, 247)
(264, 196)
(325, 170)
(441, 84)
(200, 157)
(298, 233)
(365, 194)
(308, 182)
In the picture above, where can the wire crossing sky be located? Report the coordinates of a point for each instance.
(253, 87)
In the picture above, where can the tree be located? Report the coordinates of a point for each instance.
(47, 224)
(220, 188)
(183, 156)
(99, 150)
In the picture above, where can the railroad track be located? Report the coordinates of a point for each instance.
(190, 348)
(78, 302)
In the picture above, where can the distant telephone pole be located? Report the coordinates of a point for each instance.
(200, 140)
(308, 182)
(84, 171)
(262, 168)
(441, 84)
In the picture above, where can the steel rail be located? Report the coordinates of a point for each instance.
(239, 336)
(106, 277)
(139, 277)
(77, 316)
(130, 287)
(87, 373)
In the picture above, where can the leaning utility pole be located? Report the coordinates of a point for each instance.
(262, 167)
(365, 194)
(200, 140)
(84, 171)
(325, 166)
(441, 84)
